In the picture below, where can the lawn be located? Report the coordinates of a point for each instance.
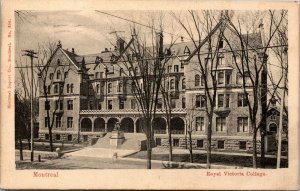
(244, 161)
(46, 147)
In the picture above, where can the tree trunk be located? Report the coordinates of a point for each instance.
(208, 146)
(50, 139)
(191, 147)
(254, 158)
(149, 146)
(170, 143)
(21, 148)
(262, 149)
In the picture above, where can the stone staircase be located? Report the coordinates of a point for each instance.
(132, 141)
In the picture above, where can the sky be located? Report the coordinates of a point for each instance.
(89, 32)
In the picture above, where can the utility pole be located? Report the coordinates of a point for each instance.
(281, 118)
(31, 54)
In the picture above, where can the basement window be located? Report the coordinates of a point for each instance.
(200, 143)
(242, 145)
(158, 141)
(221, 144)
(175, 142)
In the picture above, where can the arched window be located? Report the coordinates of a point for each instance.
(221, 77)
(120, 87)
(183, 84)
(172, 84)
(71, 88)
(58, 75)
(197, 80)
(55, 88)
(98, 88)
(68, 88)
(121, 72)
(109, 89)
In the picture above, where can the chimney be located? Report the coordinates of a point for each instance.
(160, 44)
(73, 51)
(59, 44)
(120, 44)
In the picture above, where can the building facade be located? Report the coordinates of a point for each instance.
(88, 94)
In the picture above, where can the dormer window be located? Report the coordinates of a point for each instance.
(58, 75)
(58, 61)
(221, 44)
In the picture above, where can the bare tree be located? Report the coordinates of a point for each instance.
(47, 82)
(200, 27)
(251, 59)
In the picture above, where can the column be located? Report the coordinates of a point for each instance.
(93, 124)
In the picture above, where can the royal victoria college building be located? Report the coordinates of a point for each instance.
(88, 94)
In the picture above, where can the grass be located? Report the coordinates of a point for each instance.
(244, 161)
(46, 147)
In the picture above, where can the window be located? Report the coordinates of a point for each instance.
(121, 104)
(58, 74)
(228, 78)
(99, 106)
(169, 69)
(236, 59)
(183, 103)
(221, 43)
(221, 77)
(102, 88)
(158, 141)
(273, 127)
(58, 121)
(221, 144)
(59, 104)
(200, 101)
(172, 84)
(197, 80)
(110, 104)
(242, 124)
(200, 143)
(98, 88)
(247, 77)
(221, 123)
(239, 79)
(55, 88)
(71, 88)
(85, 138)
(101, 74)
(133, 104)
(58, 62)
(91, 90)
(242, 102)
(136, 70)
(227, 100)
(173, 103)
(109, 88)
(97, 75)
(51, 76)
(49, 89)
(132, 87)
(47, 105)
(220, 100)
(61, 88)
(121, 72)
(175, 142)
(176, 68)
(57, 137)
(46, 121)
(70, 104)
(68, 88)
(120, 87)
(183, 84)
(242, 145)
(47, 136)
(66, 75)
(159, 103)
(70, 137)
(91, 104)
(220, 60)
(200, 124)
(70, 122)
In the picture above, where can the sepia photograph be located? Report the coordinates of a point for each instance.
(151, 89)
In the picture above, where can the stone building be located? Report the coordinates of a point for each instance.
(90, 93)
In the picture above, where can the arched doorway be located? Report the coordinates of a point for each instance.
(159, 125)
(99, 125)
(177, 125)
(127, 125)
(86, 125)
(111, 124)
(140, 125)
